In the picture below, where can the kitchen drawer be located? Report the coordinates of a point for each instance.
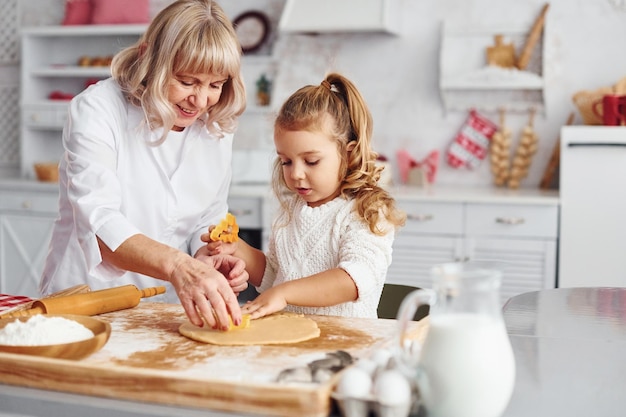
(39, 117)
(52, 116)
(426, 217)
(248, 211)
(515, 220)
(36, 202)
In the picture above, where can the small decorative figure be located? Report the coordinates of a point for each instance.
(263, 86)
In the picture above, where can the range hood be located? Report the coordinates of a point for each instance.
(335, 16)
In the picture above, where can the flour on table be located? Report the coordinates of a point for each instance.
(40, 330)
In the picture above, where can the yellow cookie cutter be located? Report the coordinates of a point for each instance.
(227, 231)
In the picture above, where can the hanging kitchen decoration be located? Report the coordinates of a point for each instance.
(526, 148)
(501, 152)
(471, 143)
(417, 173)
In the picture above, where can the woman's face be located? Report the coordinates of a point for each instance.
(192, 95)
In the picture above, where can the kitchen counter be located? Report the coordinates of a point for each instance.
(568, 345)
(147, 362)
(443, 193)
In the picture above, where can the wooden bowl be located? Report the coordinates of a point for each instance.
(74, 350)
(47, 171)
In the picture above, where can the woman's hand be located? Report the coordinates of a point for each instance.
(204, 292)
(234, 269)
(268, 302)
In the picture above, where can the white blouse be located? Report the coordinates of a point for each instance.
(113, 185)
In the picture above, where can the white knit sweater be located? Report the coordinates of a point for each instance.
(326, 237)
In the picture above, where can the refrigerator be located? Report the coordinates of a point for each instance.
(592, 229)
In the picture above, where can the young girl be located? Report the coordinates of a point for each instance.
(330, 245)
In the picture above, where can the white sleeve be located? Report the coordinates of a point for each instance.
(93, 187)
(271, 266)
(365, 256)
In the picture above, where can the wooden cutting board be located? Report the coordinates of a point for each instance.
(146, 359)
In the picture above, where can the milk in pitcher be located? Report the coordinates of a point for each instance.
(467, 366)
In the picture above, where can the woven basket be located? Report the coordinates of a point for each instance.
(585, 100)
(47, 171)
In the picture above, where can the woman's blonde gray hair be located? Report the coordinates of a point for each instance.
(191, 36)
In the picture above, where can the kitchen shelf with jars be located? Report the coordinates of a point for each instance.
(492, 68)
(58, 62)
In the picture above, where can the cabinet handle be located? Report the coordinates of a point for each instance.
(244, 212)
(26, 204)
(510, 220)
(420, 217)
(595, 145)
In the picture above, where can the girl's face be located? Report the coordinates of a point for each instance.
(192, 95)
(311, 163)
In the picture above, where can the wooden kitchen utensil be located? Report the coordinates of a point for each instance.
(91, 303)
(501, 54)
(533, 38)
(73, 350)
(555, 159)
(76, 289)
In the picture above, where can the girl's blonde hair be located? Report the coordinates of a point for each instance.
(336, 108)
(193, 36)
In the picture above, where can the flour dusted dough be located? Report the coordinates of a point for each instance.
(274, 329)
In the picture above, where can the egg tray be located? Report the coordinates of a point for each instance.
(373, 404)
(362, 407)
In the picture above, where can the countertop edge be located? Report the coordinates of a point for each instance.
(443, 193)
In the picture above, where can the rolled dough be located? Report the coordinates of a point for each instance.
(278, 328)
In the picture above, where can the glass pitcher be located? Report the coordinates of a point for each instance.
(465, 366)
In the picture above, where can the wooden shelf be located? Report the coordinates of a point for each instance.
(466, 81)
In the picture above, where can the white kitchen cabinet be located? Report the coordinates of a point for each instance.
(520, 236)
(26, 220)
(50, 62)
(593, 206)
(50, 57)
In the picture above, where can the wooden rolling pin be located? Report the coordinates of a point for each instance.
(91, 303)
(533, 38)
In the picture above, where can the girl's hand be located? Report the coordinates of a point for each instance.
(268, 302)
(217, 247)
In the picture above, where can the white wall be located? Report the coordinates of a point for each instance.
(399, 75)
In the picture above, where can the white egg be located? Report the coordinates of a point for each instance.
(367, 365)
(381, 357)
(392, 388)
(354, 383)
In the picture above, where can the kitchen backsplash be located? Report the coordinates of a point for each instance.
(399, 75)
